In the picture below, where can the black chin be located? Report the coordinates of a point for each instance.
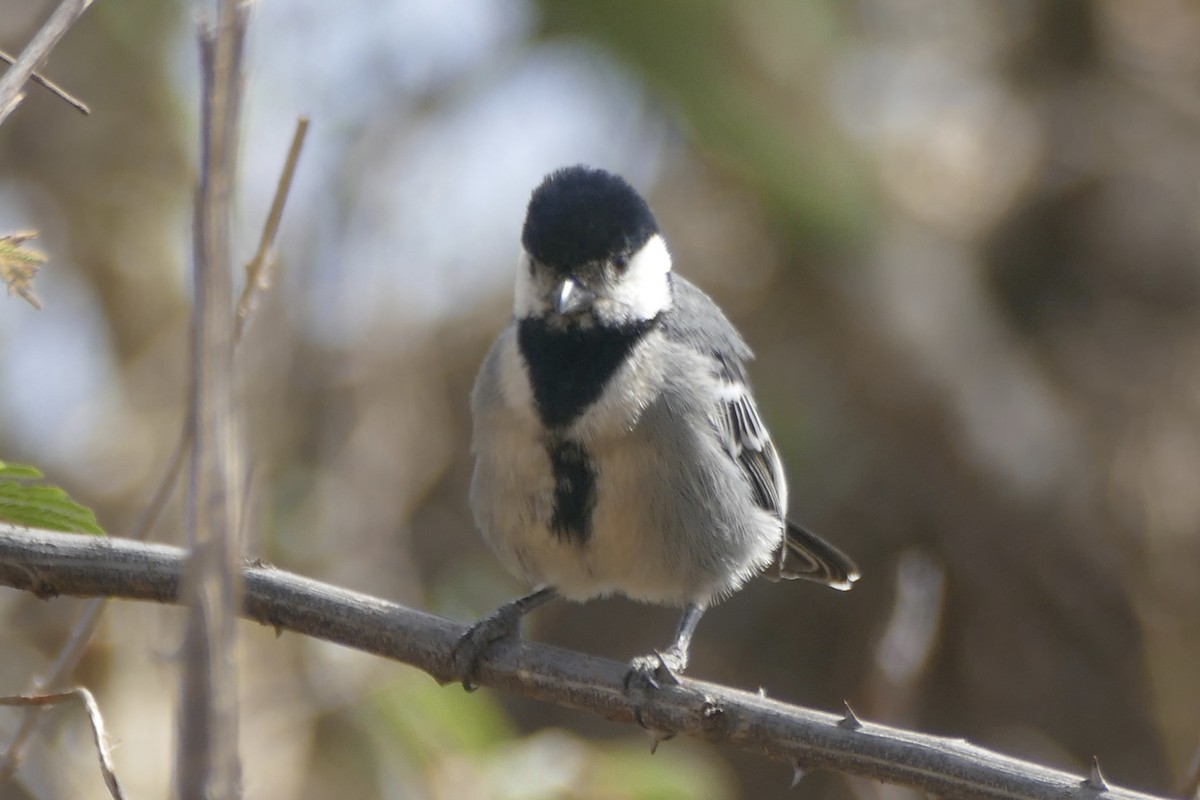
(571, 359)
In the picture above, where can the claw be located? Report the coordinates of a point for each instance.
(478, 641)
(656, 670)
(668, 668)
(503, 624)
(652, 672)
(465, 657)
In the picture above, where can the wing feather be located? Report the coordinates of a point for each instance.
(698, 322)
(747, 442)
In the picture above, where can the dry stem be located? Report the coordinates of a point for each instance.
(51, 87)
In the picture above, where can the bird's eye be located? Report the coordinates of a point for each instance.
(620, 262)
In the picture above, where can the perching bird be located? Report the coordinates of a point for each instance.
(618, 446)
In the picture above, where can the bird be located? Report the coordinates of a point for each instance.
(618, 446)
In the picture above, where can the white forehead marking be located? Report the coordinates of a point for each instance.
(644, 289)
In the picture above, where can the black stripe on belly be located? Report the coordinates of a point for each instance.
(569, 367)
(574, 491)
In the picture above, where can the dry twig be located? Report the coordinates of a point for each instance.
(51, 87)
(36, 52)
(48, 564)
(97, 721)
(259, 270)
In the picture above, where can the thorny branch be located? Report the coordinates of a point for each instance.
(50, 564)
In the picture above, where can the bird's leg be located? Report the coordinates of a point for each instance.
(665, 666)
(503, 623)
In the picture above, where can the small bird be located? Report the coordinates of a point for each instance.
(618, 448)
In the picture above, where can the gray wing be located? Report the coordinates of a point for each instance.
(696, 321)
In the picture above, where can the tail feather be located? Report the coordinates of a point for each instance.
(806, 555)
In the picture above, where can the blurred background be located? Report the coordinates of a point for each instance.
(963, 239)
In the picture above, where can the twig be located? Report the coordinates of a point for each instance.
(35, 53)
(48, 564)
(52, 87)
(258, 271)
(93, 712)
(206, 757)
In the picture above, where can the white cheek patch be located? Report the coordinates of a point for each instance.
(645, 289)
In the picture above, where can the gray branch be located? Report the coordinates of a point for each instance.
(50, 564)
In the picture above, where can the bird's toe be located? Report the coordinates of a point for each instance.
(473, 645)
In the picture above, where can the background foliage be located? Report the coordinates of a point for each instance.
(962, 238)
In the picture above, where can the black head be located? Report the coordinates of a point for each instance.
(579, 215)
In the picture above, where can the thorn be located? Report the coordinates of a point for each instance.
(1095, 779)
(798, 773)
(657, 737)
(849, 720)
(762, 692)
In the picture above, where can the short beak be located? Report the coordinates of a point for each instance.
(572, 297)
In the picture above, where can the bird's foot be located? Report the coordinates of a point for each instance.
(652, 672)
(660, 668)
(501, 625)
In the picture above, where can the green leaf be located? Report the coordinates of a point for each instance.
(20, 472)
(39, 505)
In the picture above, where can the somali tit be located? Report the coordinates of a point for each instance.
(618, 446)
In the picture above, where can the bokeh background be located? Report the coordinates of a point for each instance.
(963, 239)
